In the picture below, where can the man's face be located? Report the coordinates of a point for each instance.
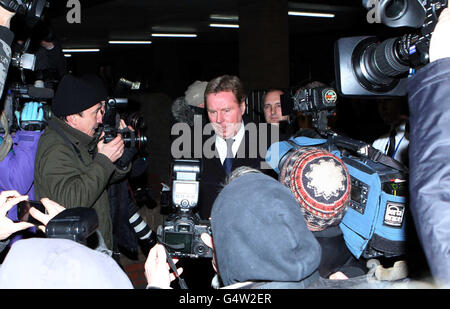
(272, 107)
(90, 119)
(225, 113)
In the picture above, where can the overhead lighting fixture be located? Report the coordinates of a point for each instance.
(223, 17)
(224, 25)
(81, 50)
(67, 55)
(174, 35)
(311, 14)
(130, 42)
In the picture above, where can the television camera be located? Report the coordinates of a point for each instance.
(375, 222)
(181, 231)
(320, 103)
(25, 104)
(364, 66)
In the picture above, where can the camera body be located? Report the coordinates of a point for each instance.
(319, 102)
(375, 222)
(364, 66)
(76, 224)
(181, 231)
(111, 119)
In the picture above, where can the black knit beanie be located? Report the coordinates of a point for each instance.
(75, 94)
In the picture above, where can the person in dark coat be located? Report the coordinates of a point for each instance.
(230, 141)
(72, 166)
(320, 182)
(429, 148)
(260, 240)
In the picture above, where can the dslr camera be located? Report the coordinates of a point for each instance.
(364, 66)
(181, 231)
(111, 119)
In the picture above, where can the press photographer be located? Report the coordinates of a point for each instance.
(130, 229)
(72, 166)
(61, 259)
(428, 92)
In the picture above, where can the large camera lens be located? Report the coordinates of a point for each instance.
(136, 121)
(377, 66)
(134, 139)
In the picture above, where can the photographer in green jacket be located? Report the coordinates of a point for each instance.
(74, 167)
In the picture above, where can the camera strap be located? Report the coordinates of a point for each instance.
(377, 156)
(66, 139)
(181, 281)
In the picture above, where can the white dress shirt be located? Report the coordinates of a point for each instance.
(221, 145)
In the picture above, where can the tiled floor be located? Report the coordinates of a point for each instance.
(135, 272)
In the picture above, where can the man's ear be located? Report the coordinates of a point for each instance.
(242, 107)
(208, 240)
(72, 119)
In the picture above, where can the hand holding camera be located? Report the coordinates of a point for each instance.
(439, 44)
(113, 149)
(7, 227)
(5, 16)
(31, 9)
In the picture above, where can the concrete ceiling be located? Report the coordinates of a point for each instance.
(103, 20)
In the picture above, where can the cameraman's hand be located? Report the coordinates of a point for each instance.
(7, 227)
(123, 125)
(5, 17)
(157, 270)
(52, 208)
(440, 43)
(113, 150)
(208, 240)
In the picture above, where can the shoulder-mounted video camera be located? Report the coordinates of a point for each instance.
(367, 67)
(181, 231)
(375, 222)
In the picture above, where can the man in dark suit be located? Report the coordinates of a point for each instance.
(231, 141)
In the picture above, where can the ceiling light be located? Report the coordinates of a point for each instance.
(224, 25)
(130, 42)
(67, 55)
(310, 14)
(224, 17)
(81, 50)
(174, 35)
